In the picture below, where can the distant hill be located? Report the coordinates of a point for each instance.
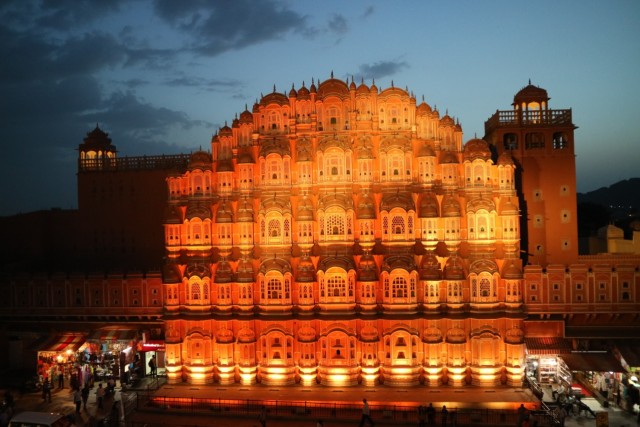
(621, 196)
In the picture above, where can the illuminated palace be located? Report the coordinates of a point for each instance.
(342, 234)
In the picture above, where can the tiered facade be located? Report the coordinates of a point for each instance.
(339, 235)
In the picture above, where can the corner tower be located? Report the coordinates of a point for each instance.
(541, 142)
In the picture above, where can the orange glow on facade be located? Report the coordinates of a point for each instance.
(343, 199)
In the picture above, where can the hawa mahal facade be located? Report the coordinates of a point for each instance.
(344, 234)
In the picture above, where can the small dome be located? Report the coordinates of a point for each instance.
(423, 108)
(199, 210)
(306, 270)
(245, 271)
(223, 273)
(200, 160)
(367, 269)
(245, 157)
(196, 268)
(426, 151)
(352, 85)
(511, 270)
(274, 98)
(224, 214)
(428, 207)
(246, 335)
(365, 152)
(235, 123)
(430, 267)
(454, 269)
(507, 207)
(446, 120)
(362, 88)
(96, 140)
(505, 159)
(224, 165)
(477, 149)
(293, 93)
(245, 211)
(529, 94)
(304, 154)
(305, 210)
(448, 157)
(246, 117)
(303, 92)
(366, 207)
(225, 131)
(450, 206)
(173, 215)
(171, 273)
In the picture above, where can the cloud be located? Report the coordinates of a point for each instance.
(217, 27)
(368, 12)
(338, 24)
(381, 69)
(210, 84)
(130, 115)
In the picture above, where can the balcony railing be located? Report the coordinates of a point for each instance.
(536, 117)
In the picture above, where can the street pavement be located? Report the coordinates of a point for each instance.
(62, 402)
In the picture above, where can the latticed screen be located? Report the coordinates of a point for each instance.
(335, 225)
(336, 286)
(397, 225)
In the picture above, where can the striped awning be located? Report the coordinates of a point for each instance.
(110, 335)
(548, 345)
(630, 352)
(596, 362)
(63, 342)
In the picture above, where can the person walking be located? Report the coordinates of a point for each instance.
(444, 415)
(431, 414)
(366, 414)
(263, 417)
(46, 390)
(422, 416)
(61, 378)
(522, 412)
(77, 399)
(100, 396)
(561, 415)
(85, 396)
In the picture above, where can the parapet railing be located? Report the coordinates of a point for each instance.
(162, 162)
(529, 117)
(401, 414)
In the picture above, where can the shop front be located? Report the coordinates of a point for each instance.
(544, 364)
(112, 353)
(57, 355)
(153, 350)
(598, 372)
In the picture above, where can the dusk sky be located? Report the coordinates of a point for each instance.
(162, 76)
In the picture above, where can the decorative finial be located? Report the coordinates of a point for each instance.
(274, 88)
(331, 73)
(529, 81)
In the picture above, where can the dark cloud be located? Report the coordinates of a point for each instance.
(381, 69)
(338, 24)
(220, 26)
(127, 113)
(64, 14)
(368, 12)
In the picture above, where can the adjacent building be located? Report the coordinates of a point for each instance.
(343, 233)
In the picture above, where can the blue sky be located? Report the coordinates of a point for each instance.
(162, 76)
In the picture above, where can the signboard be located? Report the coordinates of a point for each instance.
(602, 419)
(152, 346)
